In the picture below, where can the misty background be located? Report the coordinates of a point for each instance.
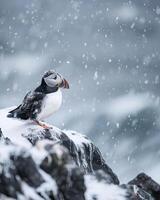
(109, 51)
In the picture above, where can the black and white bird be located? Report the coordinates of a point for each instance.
(43, 101)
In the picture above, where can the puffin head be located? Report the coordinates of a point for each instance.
(55, 80)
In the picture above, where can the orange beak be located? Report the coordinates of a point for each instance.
(65, 84)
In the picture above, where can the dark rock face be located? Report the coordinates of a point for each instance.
(88, 152)
(27, 169)
(70, 181)
(136, 193)
(9, 186)
(64, 166)
(147, 184)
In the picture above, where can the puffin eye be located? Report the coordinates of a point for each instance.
(55, 77)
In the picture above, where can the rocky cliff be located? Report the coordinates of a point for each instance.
(54, 164)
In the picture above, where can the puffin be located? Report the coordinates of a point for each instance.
(42, 102)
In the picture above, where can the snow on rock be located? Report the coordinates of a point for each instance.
(101, 190)
(13, 128)
(147, 184)
(54, 164)
(27, 133)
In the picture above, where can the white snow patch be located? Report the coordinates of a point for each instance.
(38, 155)
(102, 190)
(49, 185)
(15, 128)
(78, 138)
(79, 141)
(6, 151)
(29, 192)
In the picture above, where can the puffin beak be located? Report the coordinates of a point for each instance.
(65, 84)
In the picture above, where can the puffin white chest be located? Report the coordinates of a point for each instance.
(51, 104)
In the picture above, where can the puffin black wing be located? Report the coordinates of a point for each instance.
(30, 107)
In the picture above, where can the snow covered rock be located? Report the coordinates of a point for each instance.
(147, 184)
(54, 164)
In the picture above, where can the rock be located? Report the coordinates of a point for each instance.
(54, 164)
(99, 187)
(147, 184)
(26, 169)
(3, 139)
(136, 193)
(9, 184)
(86, 155)
(69, 177)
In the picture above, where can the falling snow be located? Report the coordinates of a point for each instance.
(110, 54)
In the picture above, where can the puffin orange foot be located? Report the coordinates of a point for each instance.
(42, 125)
